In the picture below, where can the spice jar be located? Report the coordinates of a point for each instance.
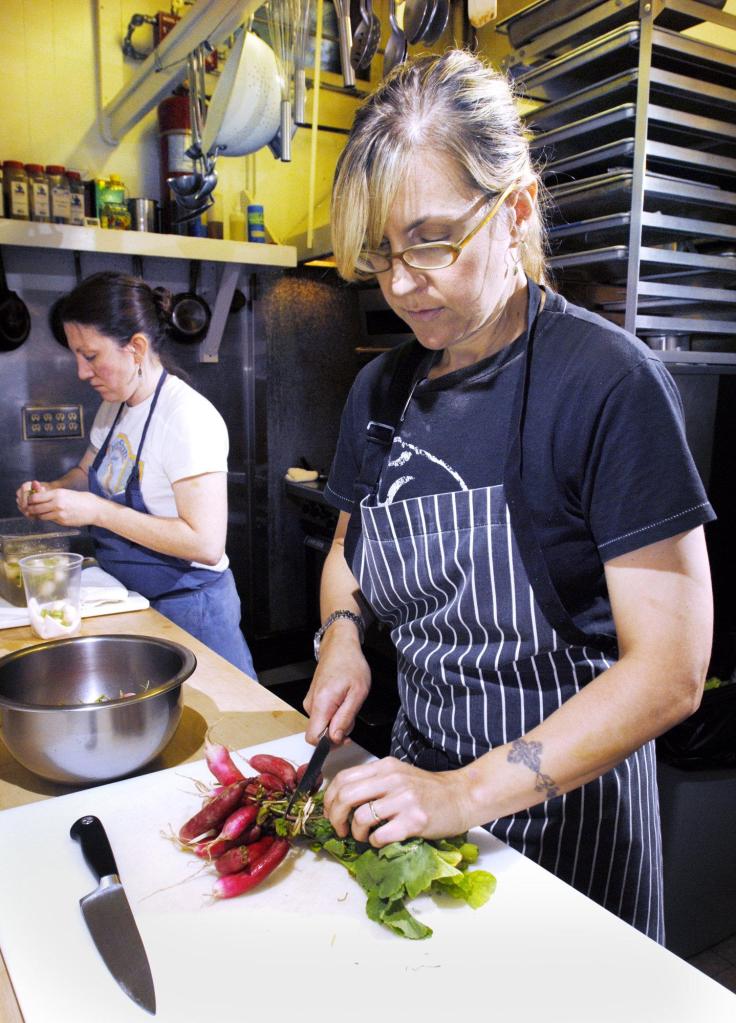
(59, 188)
(38, 193)
(76, 197)
(15, 190)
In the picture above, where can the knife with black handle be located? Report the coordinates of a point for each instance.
(109, 918)
(314, 767)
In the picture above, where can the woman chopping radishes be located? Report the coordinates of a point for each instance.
(152, 484)
(518, 506)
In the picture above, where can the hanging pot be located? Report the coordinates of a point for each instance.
(15, 320)
(190, 314)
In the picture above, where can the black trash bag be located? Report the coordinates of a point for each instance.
(707, 739)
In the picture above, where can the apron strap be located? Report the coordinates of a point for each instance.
(530, 549)
(106, 443)
(389, 399)
(156, 393)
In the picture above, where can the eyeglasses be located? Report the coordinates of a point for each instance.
(427, 255)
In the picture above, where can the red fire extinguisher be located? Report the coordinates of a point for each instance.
(175, 137)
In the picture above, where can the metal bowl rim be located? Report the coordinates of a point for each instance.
(185, 672)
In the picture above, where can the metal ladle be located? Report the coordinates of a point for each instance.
(396, 47)
(191, 184)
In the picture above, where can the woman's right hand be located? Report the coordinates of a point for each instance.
(24, 491)
(340, 685)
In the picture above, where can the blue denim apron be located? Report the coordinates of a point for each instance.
(486, 652)
(202, 601)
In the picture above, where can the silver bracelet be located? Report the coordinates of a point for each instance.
(350, 615)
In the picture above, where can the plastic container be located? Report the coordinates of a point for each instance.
(15, 190)
(60, 195)
(52, 582)
(111, 200)
(76, 198)
(38, 193)
(256, 224)
(20, 537)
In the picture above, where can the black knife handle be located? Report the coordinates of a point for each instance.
(90, 833)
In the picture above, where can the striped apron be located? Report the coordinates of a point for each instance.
(486, 652)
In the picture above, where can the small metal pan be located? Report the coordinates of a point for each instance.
(190, 314)
(15, 320)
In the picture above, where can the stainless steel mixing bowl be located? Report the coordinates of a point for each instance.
(64, 712)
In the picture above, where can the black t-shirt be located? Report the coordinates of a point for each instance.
(605, 464)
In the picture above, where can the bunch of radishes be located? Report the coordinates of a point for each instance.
(226, 830)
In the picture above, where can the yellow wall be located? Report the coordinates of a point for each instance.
(50, 94)
(50, 86)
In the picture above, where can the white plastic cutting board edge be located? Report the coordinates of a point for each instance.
(301, 948)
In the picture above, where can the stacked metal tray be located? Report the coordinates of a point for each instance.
(547, 27)
(634, 130)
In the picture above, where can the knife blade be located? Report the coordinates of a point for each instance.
(314, 768)
(109, 918)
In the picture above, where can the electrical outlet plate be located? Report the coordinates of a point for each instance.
(52, 422)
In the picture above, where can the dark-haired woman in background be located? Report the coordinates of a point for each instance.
(152, 485)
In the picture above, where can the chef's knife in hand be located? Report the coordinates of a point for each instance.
(109, 918)
(314, 767)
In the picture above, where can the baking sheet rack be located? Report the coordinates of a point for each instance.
(611, 193)
(617, 52)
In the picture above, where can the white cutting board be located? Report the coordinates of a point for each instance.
(301, 948)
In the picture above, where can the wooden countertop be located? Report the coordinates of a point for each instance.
(238, 710)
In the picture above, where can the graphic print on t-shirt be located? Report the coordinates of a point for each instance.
(430, 465)
(117, 465)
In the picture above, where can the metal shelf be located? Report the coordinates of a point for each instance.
(636, 130)
(144, 244)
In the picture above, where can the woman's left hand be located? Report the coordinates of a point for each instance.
(67, 507)
(391, 800)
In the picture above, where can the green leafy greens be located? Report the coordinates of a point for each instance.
(394, 874)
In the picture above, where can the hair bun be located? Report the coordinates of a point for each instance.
(163, 301)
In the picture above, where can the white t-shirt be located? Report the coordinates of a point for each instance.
(186, 437)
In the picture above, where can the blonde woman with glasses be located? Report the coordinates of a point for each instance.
(518, 507)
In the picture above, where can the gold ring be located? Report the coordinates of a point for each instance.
(373, 810)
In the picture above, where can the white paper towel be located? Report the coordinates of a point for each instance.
(102, 594)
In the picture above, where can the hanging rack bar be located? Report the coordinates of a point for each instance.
(209, 21)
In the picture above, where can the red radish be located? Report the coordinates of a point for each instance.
(251, 835)
(236, 884)
(264, 763)
(301, 771)
(221, 763)
(211, 848)
(213, 813)
(271, 783)
(238, 821)
(243, 855)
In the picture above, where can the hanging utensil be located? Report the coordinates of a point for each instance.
(367, 37)
(15, 320)
(438, 23)
(283, 16)
(190, 314)
(190, 184)
(417, 17)
(480, 12)
(245, 109)
(397, 47)
(345, 33)
(300, 59)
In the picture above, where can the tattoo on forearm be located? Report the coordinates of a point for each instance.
(530, 754)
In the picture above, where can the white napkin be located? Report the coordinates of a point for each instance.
(99, 586)
(101, 593)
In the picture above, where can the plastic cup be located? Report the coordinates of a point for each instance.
(52, 582)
